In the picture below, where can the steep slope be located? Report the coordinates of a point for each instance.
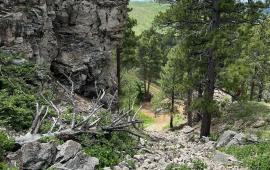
(144, 13)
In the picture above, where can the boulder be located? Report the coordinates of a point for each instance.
(224, 158)
(80, 162)
(258, 124)
(238, 139)
(67, 151)
(34, 156)
(187, 129)
(225, 138)
(252, 138)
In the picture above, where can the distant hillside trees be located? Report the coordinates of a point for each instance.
(216, 26)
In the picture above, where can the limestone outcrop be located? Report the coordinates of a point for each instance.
(75, 37)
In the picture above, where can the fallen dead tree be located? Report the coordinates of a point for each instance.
(87, 122)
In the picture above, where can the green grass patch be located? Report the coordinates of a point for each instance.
(147, 120)
(255, 157)
(178, 120)
(145, 13)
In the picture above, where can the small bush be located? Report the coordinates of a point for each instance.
(6, 144)
(51, 139)
(147, 120)
(199, 165)
(174, 166)
(111, 150)
(214, 136)
(256, 156)
(16, 111)
(5, 166)
(18, 86)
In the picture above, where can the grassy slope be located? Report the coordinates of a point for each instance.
(144, 13)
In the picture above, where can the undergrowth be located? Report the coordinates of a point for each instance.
(110, 149)
(255, 156)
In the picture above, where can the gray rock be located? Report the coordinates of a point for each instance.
(238, 139)
(225, 138)
(252, 138)
(72, 37)
(107, 168)
(19, 61)
(117, 168)
(259, 123)
(80, 162)
(34, 155)
(68, 151)
(187, 129)
(224, 158)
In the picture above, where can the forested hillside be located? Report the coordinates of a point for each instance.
(147, 85)
(144, 13)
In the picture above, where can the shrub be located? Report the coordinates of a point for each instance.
(6, 144)
(51, 139)
(255, 156)
(5, 166)
(110, 150)
(214, 136)
(18, 84)
(199, 165)
(147, 120)
(16, 110)
(131, 89)
(174, 166)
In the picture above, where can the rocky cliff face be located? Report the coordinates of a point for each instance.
(75, 37)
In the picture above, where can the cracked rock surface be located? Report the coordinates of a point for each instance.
(75, 37)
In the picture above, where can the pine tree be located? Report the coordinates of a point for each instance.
(216, 21)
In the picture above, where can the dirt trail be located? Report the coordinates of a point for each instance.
(161, 120)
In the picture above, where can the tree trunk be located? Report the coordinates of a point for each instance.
(211, 75)
(189, 112)
(148, 87)
(171, 121)
(172, 109)
(208, 95)
(145, 85)
(118, 63)
(200, 96)
(189, 100)
(261, 88)
(252, 86)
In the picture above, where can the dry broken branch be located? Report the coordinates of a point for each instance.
(90, 118)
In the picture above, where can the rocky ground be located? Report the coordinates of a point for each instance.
(181, 147)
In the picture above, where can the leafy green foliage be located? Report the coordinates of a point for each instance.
(199, 165)
(112, 149)
(51, 139)
(5, 166)
(17, 92)
(6, 144)
(256, 156)
(128, 55)
(16, 110)
(150, 58)
(249, 110)
(174, 166)
(147, 120)
(131, 89)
